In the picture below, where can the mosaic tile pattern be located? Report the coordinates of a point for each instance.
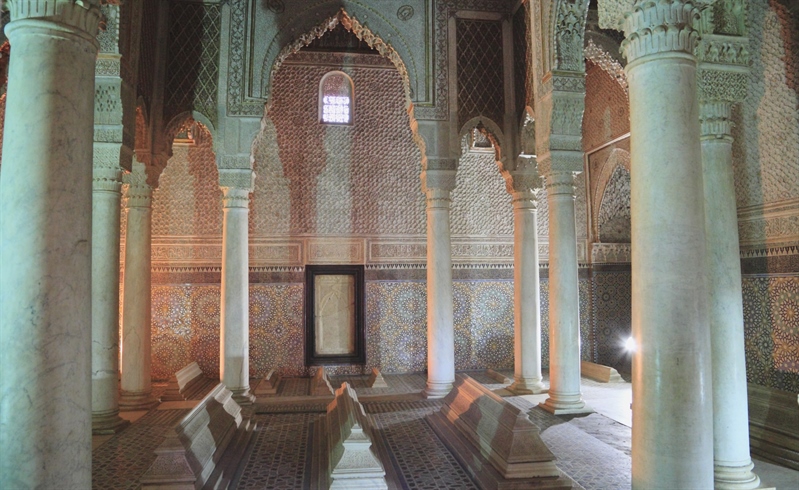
(483, 314)
(771, 331)
(277, 331)
(586, 329)
(186, 327)
(399, 312)
(612, 319)
(123, 459)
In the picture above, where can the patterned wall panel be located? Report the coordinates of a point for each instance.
(586, 327)
(771, 331)
(766, 146)
(398, 310)
(483, 324)
(327, 179)
(480, 204)
(607, 109)
(612, 317)
(188, 201)
(186, 327)
(480, 74)
(613, 220)
(192, 72)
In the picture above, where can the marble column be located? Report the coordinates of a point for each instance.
(732, 461)
(526, 296)
(438, 185)
(136, 301)
(45, 255)
(234, 359)
(672, 430)
(106, 198)
(565, 396)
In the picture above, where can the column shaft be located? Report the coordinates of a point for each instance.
(440, 328)
(234, 337)
(564, 300)
(732, 462)
(45, 256)
(136, 303)
(526, 296)
(105, 296)
(672, 417)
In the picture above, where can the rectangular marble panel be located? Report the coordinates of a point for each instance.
(334, 314)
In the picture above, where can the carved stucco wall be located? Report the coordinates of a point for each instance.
(188, 201)
(607, 117)
(766, 148)
(480, 203)
(613, 221)
(321, 179)
(607, 109)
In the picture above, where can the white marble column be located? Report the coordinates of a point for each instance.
(438, 185)
(526, 296)
(732, 461)
(234, 359)
(136, 301)
(45, 255)
(672, 430)
(565, 396)
(106, 198)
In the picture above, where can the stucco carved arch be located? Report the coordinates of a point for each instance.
(351, 23)
(305, 27)
(617, 157)
(490, 129)
(178, 122)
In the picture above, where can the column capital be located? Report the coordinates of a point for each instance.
(652, 27)
(236, 185)
(106, 173)
(560, 183)
(524, 200)
(715, 120)
(84, 15)
(524, 179)
(560, 161)
(443, 180)
(139, 193)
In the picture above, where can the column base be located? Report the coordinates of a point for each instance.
(130, 402)
(243, 397)
(106, 423)
(521, 386)
(566, 405)
(437, 390)
(735, 477)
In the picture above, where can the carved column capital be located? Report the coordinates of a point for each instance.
(83, 15)
(437, 198)
(561, 184)
(524, 200)
(236, 185)
(438, 180)
(106, 173)
(138, 192)
(715, 120)
(524, 179)
(652, 27)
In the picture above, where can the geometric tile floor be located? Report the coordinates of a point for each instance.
(593, 450)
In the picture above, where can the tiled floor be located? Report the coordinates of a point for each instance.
(593, 450)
